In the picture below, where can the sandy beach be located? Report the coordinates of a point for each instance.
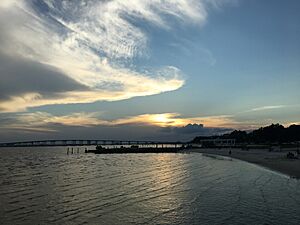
(276, 161)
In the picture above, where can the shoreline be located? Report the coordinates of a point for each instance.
(275, 161)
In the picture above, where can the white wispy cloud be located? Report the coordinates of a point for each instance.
(268, 107)
(188, 47)
(87, 40)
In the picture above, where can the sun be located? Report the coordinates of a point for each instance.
(166, 119)
(161, 118)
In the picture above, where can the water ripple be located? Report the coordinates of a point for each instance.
(47, 186)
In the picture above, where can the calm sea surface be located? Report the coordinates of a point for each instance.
(47, 186)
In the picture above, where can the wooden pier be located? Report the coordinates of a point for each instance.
(136, 150)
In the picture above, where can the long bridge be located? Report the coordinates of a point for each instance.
(75, 142)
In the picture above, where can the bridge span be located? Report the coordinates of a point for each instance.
(75, 142)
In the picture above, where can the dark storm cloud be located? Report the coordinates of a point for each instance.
(60, 131)
(190, 129)
(39, 125)
(118, 132)
(20, 76)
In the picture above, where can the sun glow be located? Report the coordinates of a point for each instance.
(40, 120)
(161, 118)
(166, 119)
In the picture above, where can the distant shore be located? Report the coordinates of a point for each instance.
(276, 161)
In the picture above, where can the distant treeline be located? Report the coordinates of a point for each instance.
(274, 133)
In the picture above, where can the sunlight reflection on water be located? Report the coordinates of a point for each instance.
(47, 186)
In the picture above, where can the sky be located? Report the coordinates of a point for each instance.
(146, 70)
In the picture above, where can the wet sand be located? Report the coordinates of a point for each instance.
(276, 161)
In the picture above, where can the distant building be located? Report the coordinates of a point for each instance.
(218, 142)
(195, 145)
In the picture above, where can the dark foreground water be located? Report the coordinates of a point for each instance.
(47, 186)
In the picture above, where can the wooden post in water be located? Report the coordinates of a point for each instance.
(72, 150)
(68, 151)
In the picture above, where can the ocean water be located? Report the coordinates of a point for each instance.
(47, 186)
